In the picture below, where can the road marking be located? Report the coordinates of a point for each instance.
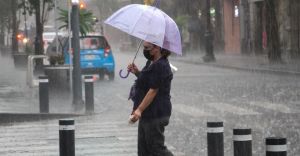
(274, 106)
(190, 110)
(41, 138)
(228, 108)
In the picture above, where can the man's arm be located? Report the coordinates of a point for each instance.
(144, 104)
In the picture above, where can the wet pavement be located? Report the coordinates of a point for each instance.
(254, 63)
(267, 103)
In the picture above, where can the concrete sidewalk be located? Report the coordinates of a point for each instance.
(243, 62)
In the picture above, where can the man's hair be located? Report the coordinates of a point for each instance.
(165, 53)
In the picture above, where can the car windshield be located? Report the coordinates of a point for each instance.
(92, 43)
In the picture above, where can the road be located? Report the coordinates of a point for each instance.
(268, 104)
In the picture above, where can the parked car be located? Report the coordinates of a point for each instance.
(96, 56)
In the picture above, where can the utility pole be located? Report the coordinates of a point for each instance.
(209, 49)
(70, 47)
(77, 86)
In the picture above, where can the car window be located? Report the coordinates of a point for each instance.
(92, 43)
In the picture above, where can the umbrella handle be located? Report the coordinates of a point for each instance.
(120, 74)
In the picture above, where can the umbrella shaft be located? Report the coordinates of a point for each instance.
(137, 51)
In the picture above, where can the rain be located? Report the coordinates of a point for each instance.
(236, 62)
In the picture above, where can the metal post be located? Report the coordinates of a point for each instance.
(215, 139)
(77, 86)
(44, 94)
(276, 146)
(70, 46)
(209, 49)
(242, 142)
(66, 138)
(89, 94)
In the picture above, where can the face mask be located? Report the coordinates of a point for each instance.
(147, 55)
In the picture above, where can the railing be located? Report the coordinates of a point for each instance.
(31, 80)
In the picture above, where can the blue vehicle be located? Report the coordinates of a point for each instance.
(95, 56)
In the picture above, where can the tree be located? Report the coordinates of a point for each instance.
(219, 27)
(5, 20)
(14, 25)
(273, 42)
(191, 9)
(86, 19)
(105, 8)
(294, 33)
(258, 28)
(41, 10)
(245, 27)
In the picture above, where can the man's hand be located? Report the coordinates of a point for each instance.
(133, 68)
(135, 116)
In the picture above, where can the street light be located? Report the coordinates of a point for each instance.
(76, 75)
(209, 49)
(82, 5)
(75, 2)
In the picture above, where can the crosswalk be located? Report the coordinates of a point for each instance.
(42, 139)
(223, 108)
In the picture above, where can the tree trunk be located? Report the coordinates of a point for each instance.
(39, 30)
(39, 49)
(294, 48)
(219, 38)
(258, 28)
(273, 42)
(14, 41)
(245, 27)
(202, 25)
(2, 34)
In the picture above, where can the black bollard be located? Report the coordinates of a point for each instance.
(276, 146)
(242, 142)
(215, 139)
(89, 94)
(44, 94)
(66, 138)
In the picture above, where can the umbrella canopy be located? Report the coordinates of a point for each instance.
(149, 24)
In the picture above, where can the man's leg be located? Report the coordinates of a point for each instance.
(142, 147)
(155, 139)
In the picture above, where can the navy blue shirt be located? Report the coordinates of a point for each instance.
(157, 75)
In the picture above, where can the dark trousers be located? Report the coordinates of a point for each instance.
(151, 139)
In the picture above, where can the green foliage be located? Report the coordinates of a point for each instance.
(47, 5)
(86, 20)
(29, 49)
(182, 20)
(5, 14)
(57, 59)
(63, 17)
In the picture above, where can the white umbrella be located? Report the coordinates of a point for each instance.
(149, 24)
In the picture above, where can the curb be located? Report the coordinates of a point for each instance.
(254, 70)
